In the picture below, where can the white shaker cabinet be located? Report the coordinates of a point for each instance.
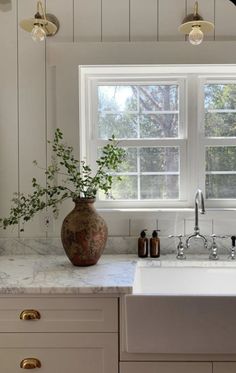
(58, 335)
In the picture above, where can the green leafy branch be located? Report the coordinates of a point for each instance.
(78, 180)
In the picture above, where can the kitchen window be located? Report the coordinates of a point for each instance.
(179, 131)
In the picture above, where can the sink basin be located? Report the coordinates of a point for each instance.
(190, 280)
(185, 307)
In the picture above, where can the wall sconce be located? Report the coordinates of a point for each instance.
(42, 25)
(195, 26)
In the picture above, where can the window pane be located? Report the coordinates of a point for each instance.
(220, 96)
(165, 159)
(158, 97)
(125, 189)
(160, 187)
(221, 186)
(120, 125)
(221, 158)
(130, 162)
(159, 125)
(220, 110)
(220, 124)
(117, 98)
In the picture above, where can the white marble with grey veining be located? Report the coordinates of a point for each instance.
(54, 274)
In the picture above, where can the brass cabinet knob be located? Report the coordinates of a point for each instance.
(30, 363)
(30, 315)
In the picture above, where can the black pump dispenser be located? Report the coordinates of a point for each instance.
(233, 238)
(155, 244)
(143, 244)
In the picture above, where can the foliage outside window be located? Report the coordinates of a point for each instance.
(179, 132)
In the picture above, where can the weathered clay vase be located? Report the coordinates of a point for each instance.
(84, 233)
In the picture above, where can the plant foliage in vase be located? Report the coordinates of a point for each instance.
(78, 180)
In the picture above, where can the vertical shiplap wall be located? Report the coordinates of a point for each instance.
(8, 106)
(30, 108)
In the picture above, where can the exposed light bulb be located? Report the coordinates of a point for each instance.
(196, 35)
(38, 33)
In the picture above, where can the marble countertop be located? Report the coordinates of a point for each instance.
(54, 274)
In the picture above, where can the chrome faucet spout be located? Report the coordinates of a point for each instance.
(198, 199)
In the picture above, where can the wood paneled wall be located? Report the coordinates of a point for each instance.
(27, 89)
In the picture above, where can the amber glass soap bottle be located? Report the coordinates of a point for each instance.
(155, 244)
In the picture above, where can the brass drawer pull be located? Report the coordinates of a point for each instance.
(30, 363)
(30, 315)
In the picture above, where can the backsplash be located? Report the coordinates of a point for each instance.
(125, 226)
(115, 245)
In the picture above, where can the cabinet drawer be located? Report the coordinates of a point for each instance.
(60, 314)
(60, 353)
(173, 367)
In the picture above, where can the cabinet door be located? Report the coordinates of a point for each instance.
(60, 353)
(224, 367)
(173, 367)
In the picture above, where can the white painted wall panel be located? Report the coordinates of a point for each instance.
(55, 117)
(87, 20)
(143, 20)
(206, 10)
(8, 109)
(225, 16)
(115, 20)
(67, 119)
(171, 15)
(65, 16)
(32, 131)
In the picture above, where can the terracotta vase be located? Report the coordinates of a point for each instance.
(84, 233)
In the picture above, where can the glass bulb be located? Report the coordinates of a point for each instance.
(196, 35)
(38, 33)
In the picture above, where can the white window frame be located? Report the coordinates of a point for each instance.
(192, 140)
(212, 141)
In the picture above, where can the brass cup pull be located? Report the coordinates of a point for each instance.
(30, 363)
(30, 315)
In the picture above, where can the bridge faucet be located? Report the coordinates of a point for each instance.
(198, 198)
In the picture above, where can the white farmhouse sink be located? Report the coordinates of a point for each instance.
(190, 308)
(191, 280)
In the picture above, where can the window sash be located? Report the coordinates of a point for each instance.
(205, 141)
(179, 142)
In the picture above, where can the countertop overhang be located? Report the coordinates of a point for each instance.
(47, 274)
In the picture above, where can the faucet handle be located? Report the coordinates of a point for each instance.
(213, 249)
(232, 250)
(180, 246)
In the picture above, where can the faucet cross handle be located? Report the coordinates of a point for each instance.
(180, 247)
(214, 248)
